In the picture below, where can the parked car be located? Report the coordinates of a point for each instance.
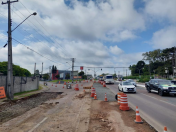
(126, 86)
(161, 86)
(132, 82)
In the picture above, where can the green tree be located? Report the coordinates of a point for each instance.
(67, 76)
(45, 76)
(81, 73)
(58, 76)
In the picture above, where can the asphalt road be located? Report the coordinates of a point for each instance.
(156, 110)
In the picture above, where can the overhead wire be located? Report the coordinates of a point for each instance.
(34, 36)
(42, 32)
(35, 51)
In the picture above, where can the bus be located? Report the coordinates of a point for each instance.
(109, 79)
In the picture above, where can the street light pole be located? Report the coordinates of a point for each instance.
(9, 85)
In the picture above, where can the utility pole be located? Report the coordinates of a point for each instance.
(42, 69)
(9, 85)
(73, 60)
(34, 69)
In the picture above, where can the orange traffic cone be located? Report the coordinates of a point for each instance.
(64, 83)
(165, 129)
(138, 118)
(87, 81)
(76, 87)
(52, 84)
(59, 82)
(124, 103)
(68, 81)
(104, 84)
(105, 98)
(56, 85)
(95, 96)
(63, 86)
(84, 90)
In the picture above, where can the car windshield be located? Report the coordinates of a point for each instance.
(126, 83)
(130, 81)
(165, 82)
(109, 77)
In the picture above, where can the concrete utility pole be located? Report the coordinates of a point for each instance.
(73, 60)
(9, 85)
(42, 69)
(34, 69)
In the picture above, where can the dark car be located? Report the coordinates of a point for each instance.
(162, 86)
(174, 82)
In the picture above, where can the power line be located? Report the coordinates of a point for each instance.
(44, 29)
(34, 36)
(34, 51)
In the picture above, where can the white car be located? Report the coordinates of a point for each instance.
(126, 87)
(132, 82)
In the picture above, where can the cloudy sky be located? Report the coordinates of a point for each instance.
(100, 33)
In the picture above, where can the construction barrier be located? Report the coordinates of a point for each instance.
(92, 92)
(138, 117)
(2, 93)
(119, 95)
(124, 102)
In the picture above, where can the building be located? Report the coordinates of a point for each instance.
(63, 74)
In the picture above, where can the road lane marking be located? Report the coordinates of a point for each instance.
(140, 85)
(38, 125)
(159, 99)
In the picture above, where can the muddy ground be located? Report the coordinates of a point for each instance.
(107, 117)
(12, 109)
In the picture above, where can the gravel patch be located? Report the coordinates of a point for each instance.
(100, 91)
(13, 109)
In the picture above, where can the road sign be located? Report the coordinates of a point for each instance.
(81, 67)
(2, 93)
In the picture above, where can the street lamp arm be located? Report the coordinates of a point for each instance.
(24, 20)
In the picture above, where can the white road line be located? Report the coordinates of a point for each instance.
(140, 85)
(38, 125)
(159, 99)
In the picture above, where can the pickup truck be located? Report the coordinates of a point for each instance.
(161, 86)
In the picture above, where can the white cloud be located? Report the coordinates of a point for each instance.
(115, 50)
(3, 37)
(85, 21)
(161, 9)
(164, 38)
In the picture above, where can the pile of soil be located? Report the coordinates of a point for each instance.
(12, 109)
(107, 117)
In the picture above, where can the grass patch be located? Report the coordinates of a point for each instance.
(17, 94)
(25, 95)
